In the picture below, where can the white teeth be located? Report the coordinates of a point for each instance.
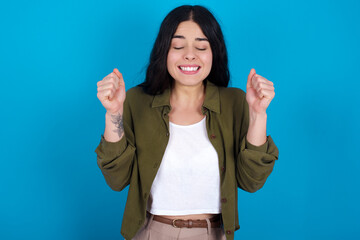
(189, 69)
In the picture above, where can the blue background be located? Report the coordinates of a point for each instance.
(54, 53)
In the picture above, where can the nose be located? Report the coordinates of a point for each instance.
(189, 55)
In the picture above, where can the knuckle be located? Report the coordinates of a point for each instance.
(112, 86)
(100, 96)
(114, 76)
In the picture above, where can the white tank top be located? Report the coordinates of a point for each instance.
(188, 180)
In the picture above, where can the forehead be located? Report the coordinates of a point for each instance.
(189, 29)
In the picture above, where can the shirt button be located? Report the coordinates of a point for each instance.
(155, 165)
(167, 134)
(223, 200)
(228, 232)
(212, 136)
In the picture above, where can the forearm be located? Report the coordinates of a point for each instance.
(256, 134)
(114, 128)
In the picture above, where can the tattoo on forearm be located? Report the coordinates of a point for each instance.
(118, 121)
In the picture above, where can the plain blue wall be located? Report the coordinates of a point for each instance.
(53, 53)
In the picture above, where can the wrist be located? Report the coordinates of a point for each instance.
(117, 112)
(257, 116)
(114, 128)
(256, 134)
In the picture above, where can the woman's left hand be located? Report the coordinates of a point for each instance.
(259, 92)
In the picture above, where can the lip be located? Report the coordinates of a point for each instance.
(189, 72)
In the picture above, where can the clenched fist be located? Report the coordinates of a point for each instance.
(111, 92)
(259, 92)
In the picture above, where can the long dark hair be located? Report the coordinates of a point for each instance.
(157, 76)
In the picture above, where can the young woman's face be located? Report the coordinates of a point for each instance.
(189, 58)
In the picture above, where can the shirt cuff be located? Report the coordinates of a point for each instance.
(262, 148)
(111, 149)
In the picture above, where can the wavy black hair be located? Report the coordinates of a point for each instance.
(157, 76)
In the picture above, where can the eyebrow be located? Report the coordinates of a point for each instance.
(196, 39)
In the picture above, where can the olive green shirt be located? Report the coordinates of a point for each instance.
(136, 158)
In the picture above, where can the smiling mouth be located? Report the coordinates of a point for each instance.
(189, 69)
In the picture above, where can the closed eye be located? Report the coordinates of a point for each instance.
(201, 49)
(178, 48)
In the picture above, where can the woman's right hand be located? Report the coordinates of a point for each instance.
(111, 92)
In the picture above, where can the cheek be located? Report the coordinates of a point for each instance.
(207, 59)
(171, 63)
(171, 59)
(173, 56)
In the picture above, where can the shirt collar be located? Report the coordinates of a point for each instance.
(211, 102)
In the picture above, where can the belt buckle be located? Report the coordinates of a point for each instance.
(173, 223)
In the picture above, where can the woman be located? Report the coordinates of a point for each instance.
(182, 139)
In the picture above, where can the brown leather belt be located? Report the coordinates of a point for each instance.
(189, 223)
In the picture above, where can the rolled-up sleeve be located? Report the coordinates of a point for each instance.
(115, 161)
(255, 163)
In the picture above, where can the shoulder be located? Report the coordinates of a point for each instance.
(231, 92)
(231, 95)
(136, 96)
(225, 93)
(135, 92)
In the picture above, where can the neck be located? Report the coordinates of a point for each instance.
(189, 96)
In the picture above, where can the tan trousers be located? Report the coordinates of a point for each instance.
(153, 230)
